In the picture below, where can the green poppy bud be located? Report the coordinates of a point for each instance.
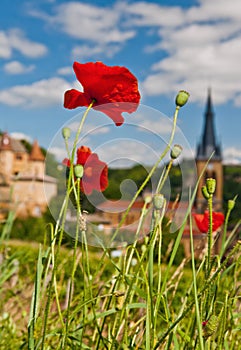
(182, 98)
(211, 185)
(231, 204)
(158, 201)
(205, 193)
(176, 151)
(66, 133)
(78, 171)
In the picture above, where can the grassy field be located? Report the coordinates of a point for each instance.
(73, 296)
(54, 297)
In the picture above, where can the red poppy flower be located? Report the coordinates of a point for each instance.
(202, 221)
(114, 90)
(95, 175)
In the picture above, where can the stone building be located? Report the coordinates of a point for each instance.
(24, 186)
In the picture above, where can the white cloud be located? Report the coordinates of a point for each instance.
(149, 14)
(123, 152)
(38, 94)
(90, 22)
(15, 39)
(16, 67)
(21, 136)
(83, 52)
(58, 152)
(93, 129)
(215, 10)
(100, 27)
(65, 70)
(202, 45)
(232, 155)
(5, 48)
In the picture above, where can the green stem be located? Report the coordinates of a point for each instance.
(163, 179)
(54, 258)
(224, 237)
(210, 234)
(200, 294)
(168, 146)
(63, 213)
(80, 129)
(199, 323)
(73, 265)
(159, 295)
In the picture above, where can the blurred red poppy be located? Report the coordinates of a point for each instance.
(95, 175)
(202, 221)
(114, 90)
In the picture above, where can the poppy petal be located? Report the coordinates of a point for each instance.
(202, 221)
(66, 162)
(74, 98)
(115, 115)
(83, 154)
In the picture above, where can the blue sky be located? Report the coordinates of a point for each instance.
(168, 45)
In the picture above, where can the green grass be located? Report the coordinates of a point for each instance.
(77, 297)
(113, 314)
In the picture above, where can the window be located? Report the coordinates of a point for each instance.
(18, 156)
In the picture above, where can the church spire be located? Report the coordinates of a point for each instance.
(208, 143)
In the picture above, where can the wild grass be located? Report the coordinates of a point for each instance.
(84, 298)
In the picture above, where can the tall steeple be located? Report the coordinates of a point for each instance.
(208, 147)
(208, 143)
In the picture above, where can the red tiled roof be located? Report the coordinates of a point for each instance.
(36, 153)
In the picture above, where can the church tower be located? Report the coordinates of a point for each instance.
(208, 146)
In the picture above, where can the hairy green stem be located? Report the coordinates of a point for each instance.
(210, 234)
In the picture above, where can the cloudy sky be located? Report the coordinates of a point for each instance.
(168, 44)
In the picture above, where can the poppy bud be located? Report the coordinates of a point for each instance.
(66, 133)
(158, 201)
(182, 98)
(78, 171)
(205, 193)
(231, 204)
(211, 185)
(176, 151)
(148, 199)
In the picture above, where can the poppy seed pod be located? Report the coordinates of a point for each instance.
(66, 133)
(158, 201)
(78, 171)
(176, 151)
(211, 185)
(205, 193)
(182, 98)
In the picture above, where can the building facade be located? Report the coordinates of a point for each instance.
(24, 186)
